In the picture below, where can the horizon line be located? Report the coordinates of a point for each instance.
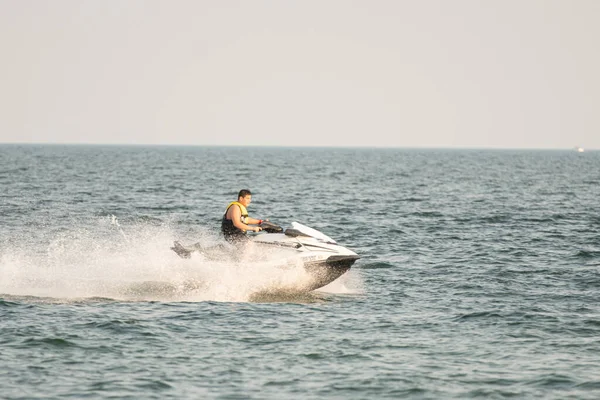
(293, 146)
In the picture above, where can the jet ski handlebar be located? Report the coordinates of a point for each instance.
(270, 227)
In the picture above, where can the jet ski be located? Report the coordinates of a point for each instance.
(323, 258)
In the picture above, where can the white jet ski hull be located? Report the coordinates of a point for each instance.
(323, 259)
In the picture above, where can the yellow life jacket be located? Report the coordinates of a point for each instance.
(242, 209)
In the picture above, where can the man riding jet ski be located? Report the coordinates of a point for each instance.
(322, 258)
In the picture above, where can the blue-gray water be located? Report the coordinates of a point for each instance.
(479, 277)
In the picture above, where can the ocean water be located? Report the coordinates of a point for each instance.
(479, 276)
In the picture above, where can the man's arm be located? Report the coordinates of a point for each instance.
(236, 216)
(254, 221)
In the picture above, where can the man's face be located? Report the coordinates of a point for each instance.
(245, 201)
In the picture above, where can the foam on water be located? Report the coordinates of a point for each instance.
(99, 259)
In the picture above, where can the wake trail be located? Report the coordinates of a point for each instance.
(101, 258)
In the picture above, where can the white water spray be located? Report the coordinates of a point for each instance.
(97, 260)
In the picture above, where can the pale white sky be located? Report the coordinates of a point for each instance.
(447, 73)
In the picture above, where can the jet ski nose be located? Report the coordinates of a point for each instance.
(342, 261)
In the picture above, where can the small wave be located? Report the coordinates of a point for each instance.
(106, 385)
(496, 219)
(492, 393)
(153, 384)
(13, 170)
(94, 299)
(536, 220)
(455, 237)
(112, 323)
(554, 381)
(592, 322)
(376, 265)
(588, 282)
(477, 315)
(7, 304)
(48, 342)
(314, 356)
(406, 393)
(428, 214)
(564, 217)
(588, 254)
(337, 173)
(589, 385)
(413, 199)
(396, 231)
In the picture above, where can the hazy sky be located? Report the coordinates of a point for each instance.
(462, 73)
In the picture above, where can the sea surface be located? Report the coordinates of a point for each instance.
(479, 276)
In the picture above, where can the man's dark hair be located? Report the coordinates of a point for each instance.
(244, 193)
